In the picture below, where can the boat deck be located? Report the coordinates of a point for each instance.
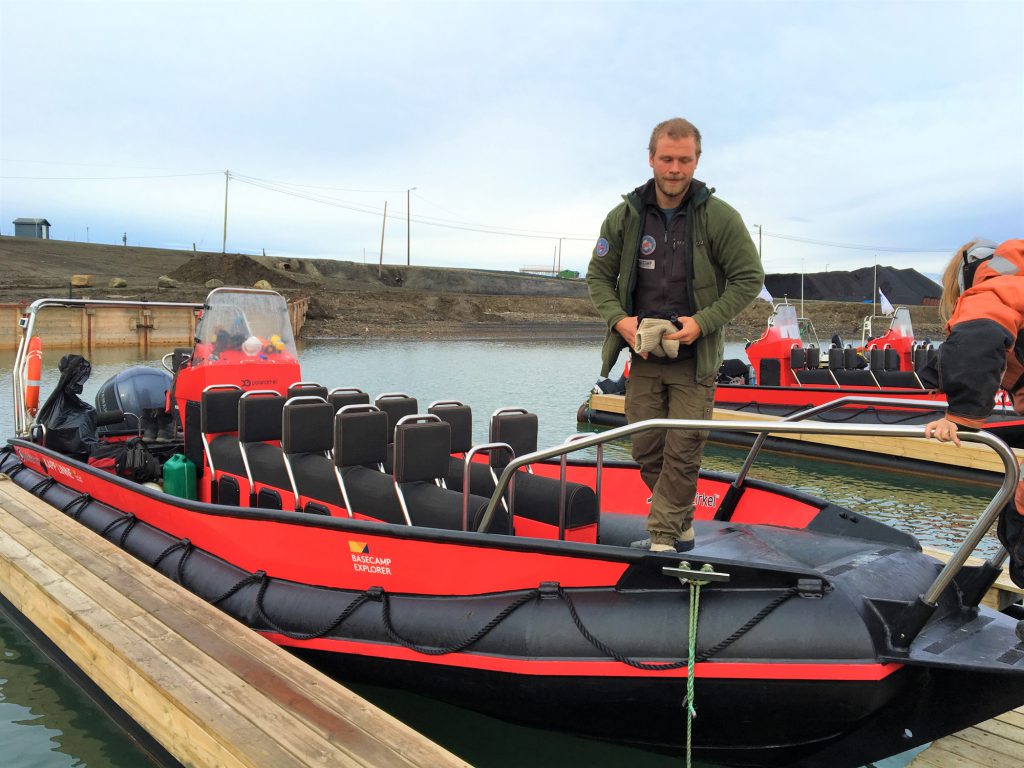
(208, 690)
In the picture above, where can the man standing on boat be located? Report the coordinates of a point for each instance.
(673, 265)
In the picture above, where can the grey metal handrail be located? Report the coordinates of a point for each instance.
(1003, 495)
(28, 326)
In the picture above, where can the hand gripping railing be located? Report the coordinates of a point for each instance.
(928, 601)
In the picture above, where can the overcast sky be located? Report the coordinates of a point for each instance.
(848, 131)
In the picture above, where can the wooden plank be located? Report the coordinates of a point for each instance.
(995, 743)
(937, 756)
(1001, 594)
(1011, 737)
(344, 717)
(171, 678)
(969, 455)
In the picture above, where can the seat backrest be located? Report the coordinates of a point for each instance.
(396, 405)
(307, 426)
(876, 359)
(516, 427)
(460, 418)
(360, 436)
(769, 372)
(259, 416)
(836, 358)
(220, 409)
(339, 397)
(813, 357)
(922, 356)
(797, 358)
(307, 388)
(853, 360)
(423, 446)
(891, 359)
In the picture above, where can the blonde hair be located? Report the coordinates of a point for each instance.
(951, 283)
(676, 128)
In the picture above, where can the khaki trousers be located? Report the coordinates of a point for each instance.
(669, 459)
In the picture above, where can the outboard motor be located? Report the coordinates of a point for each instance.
(140, 393)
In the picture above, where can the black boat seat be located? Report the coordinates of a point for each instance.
(259, 432)
(307, 389)
(535, 498)
(769, 373)
(396, 405)
(816, 376)
(898, 379)
(221, 450)
(307, 438)
(339, 397)
(855, 377)
(421, 457)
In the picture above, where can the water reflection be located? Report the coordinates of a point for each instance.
(46, 720)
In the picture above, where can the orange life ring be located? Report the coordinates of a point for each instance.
(34, 375)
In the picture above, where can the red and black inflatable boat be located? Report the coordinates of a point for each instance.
(782, 376)
(340, 528)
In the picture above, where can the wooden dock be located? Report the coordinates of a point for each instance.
(996, 743)
(970, 456)
(205, 687)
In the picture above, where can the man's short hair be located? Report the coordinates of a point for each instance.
(676, 128)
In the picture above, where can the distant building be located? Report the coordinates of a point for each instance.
(37, 228)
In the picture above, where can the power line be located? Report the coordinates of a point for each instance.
(429, 221)
(855, 247)
(110, 178)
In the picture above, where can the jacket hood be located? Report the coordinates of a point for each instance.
(986, 260)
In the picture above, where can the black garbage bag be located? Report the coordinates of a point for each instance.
(1010, 530)
(70, 422)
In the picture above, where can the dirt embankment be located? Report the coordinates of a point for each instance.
(360, 300)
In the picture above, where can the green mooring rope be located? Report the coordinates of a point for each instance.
(691, 710)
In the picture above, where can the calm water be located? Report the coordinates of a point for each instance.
(50, 723)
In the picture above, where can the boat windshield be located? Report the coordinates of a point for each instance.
(244, 323)
(786, 322)
(901, 324)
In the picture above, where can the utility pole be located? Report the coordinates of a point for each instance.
(874, 287)
(559, 257)
(224, 243)
(758, 240)
(408, 236)
(380, 266)
(801, 287)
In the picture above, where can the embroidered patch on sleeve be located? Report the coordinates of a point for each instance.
(601, 248)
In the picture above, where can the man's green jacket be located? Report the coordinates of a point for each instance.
(726, 274)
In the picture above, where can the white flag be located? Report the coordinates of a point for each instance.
(764, 295)
(887, 308)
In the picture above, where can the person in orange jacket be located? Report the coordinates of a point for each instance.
(983, 305)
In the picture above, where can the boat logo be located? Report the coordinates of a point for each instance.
(601, 248)
(706, 499)
(647, 245)
(364, 562)
(62, 469)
